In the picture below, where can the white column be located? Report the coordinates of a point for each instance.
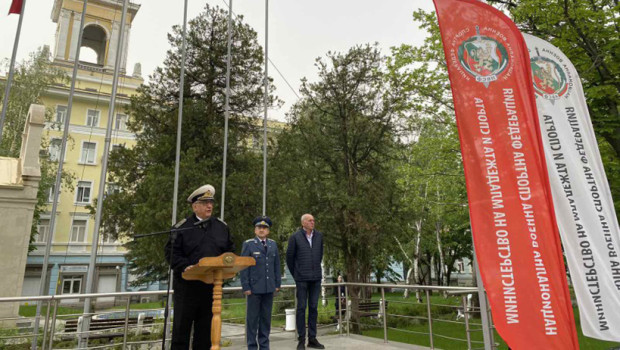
(125, 49)
(109, 64)
(62, 33)
(75, 32)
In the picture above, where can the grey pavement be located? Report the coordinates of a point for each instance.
(234, 339)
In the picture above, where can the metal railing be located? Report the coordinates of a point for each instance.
(413, 316)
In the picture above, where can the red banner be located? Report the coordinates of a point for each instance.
(16, 7)
(511, 209)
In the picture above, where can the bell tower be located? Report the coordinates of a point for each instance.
(101, 31)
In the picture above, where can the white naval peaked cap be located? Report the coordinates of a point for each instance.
(202, 193)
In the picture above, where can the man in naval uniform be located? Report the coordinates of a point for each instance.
(198, 236)
(259, 282)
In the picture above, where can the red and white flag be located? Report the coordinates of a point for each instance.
(16, 7)
(511, 208)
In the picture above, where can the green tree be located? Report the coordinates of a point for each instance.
(431, 175)
(31, 80)
(334, 160)
(146, 172)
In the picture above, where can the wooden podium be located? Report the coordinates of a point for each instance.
(214, 271)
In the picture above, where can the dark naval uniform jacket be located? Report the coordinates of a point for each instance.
(265, 276)
(211, 238)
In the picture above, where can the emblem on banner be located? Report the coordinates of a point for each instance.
(483, 57)
(550, 80)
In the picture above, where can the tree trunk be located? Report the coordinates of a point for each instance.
(441, 280)
(416, 258)
(408, 281)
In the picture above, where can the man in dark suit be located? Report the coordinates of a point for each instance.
(303, 258)
(200, 235)
(259, 282)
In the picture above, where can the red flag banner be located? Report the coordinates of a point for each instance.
(511, 209)
(16, 7)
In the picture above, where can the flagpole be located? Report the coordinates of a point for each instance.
(7, 89)
(487, 328)
(177, 160)
(104, 169)
(265, 102)
(61, 159)
(226, 109)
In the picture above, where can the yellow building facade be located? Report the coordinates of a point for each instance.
(74, 225)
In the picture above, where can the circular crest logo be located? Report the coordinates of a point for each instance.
(483, 57)
(549, 78)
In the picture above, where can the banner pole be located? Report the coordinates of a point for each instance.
(92, 266)
(484, 311)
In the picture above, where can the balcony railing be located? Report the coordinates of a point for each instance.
(135, 332)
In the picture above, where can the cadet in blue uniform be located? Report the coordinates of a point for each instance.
(259, 283)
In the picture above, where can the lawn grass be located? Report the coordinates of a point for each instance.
(31, 310)
(142, 306)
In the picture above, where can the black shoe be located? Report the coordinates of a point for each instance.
(300, 345)
(314, 344)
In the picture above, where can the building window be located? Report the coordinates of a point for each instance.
(113, 188)
(116, 148)
(108, 238)
(54, 149)
(92, 117)
(78, 231)
(43, 229)
(50, 197)
(61, 114)
(71, 284)
(121, 122)
(88, 153)
(83, 192)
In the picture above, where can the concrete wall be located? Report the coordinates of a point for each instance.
(19, 183)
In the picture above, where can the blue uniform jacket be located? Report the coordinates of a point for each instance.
(265, 277)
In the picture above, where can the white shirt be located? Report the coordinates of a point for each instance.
(309, 238)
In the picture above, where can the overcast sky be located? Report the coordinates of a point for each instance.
(299, 31)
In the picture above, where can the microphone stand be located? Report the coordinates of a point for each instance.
(173, 236)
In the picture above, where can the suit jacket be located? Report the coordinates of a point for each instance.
(265, 277)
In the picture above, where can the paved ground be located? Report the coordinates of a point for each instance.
(281, 340)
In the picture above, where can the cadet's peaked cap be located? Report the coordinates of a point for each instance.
(203, 193)
(262, 221)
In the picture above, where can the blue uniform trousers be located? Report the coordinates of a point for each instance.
(307, 294)
(258, 320)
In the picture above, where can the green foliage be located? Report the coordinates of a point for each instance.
(146, 172)
(431, 172)
(334, 160)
